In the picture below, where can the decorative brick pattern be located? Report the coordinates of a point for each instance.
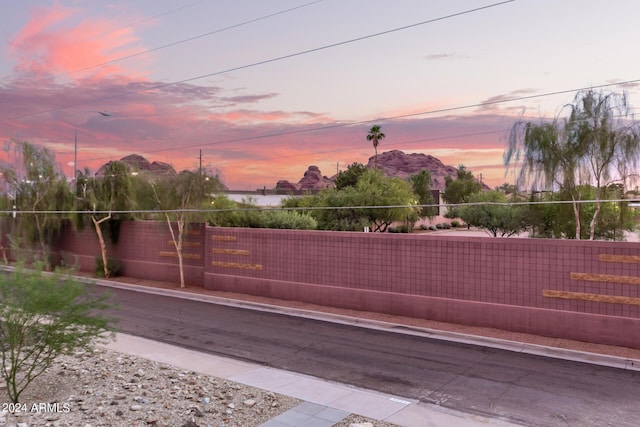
(572, 289)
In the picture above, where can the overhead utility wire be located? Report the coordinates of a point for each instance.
(413, 141)
(324, 208)
(384, 119)
(199, 36)
(267, 61)
(158, 15)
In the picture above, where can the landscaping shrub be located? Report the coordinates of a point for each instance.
(289, 220)
(402, 229)
(113, 266)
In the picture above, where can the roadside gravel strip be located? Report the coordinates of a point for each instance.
(103, 388)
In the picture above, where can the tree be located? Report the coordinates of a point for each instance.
(490, 211)
(375, 136)
(457, 191)
(350, 176)
(421, 184)
(507, 188)
(376, 201)
(596, 144)
(100, 196)
(41, 317)
(556, 220)
(180, 198)
(40, 189)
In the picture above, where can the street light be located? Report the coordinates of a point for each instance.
(75, 153)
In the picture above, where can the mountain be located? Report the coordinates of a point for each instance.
(393, 163)
(312, 180)
(137, 163)
(399, 164)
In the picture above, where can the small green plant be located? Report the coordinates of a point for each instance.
(288, 219)
(455, 223)
(402, 229)
(113, 267)
(423, 227)
(41, 317)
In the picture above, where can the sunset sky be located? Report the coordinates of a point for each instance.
(267, 88)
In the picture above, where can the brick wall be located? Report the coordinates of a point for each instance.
(569, 289)
(572, 289)
(144, 249)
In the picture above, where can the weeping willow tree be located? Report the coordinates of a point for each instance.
(180, 198)
(100, 197)
(40, 193)
(598, 143)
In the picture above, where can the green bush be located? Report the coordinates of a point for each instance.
(402, 229)
(113, 266)
(423, 227)
(288, 219)
(455, 223)
(41, 317)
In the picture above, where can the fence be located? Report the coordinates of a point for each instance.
(561, 288)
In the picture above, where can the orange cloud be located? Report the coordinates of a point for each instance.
(59, 39)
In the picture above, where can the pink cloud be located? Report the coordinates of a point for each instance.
(59, 39)
(172, 123)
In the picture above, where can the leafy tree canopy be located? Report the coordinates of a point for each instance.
(350, 176)
(488, 210)
(596, 144)
(421, 184)
(357, 206)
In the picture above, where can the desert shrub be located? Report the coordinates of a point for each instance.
(113, 267)
(41, 317)
(423, 227)
(455, 223)
(288, 219)
(402, 229)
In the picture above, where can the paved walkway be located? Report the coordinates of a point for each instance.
(325, 402)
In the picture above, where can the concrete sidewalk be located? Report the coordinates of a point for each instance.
(325, 402)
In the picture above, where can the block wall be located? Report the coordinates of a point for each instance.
(572, 289)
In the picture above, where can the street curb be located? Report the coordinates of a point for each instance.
(502, 344)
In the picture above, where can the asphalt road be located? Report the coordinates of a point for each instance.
(520, 388)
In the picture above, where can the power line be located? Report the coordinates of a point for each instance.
(384, 119)
(189, 39)
(322, 208)
(267, 61)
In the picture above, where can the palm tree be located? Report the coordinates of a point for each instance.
(375, 136)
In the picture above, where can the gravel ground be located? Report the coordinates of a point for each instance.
(110, 389)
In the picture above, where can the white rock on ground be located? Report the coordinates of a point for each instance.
(103, 388)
